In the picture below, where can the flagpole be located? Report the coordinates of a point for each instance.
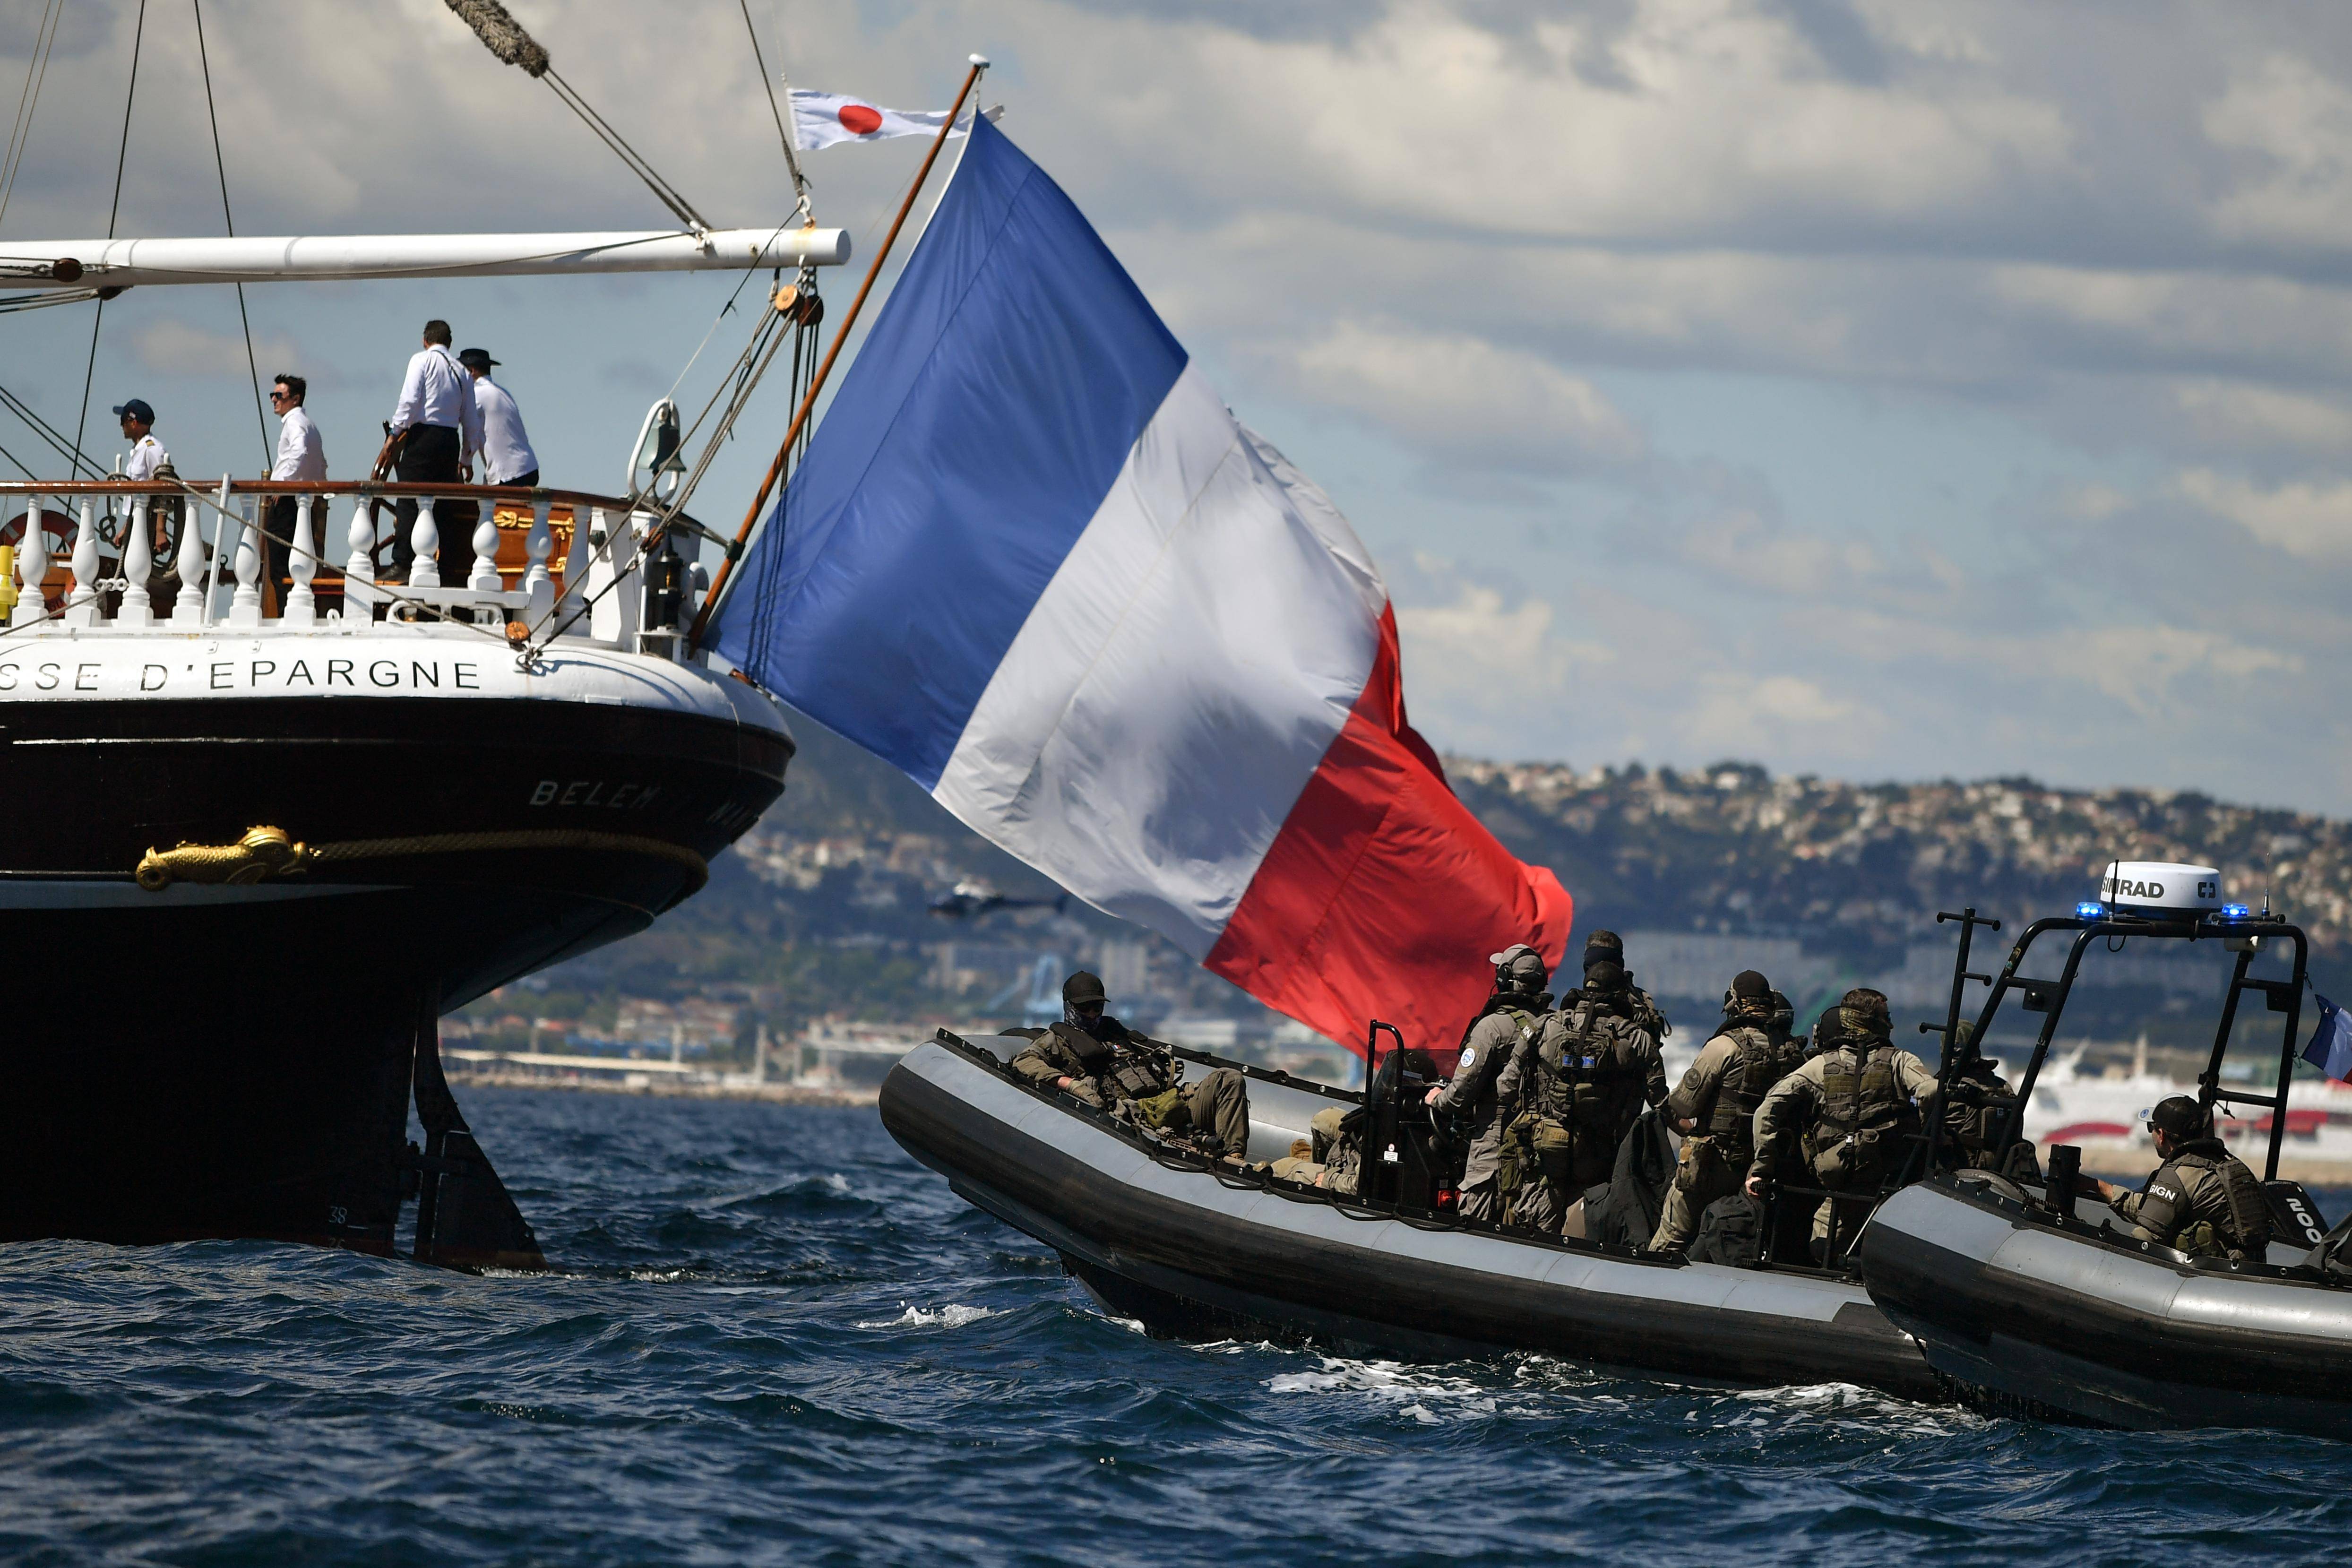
(825, 368)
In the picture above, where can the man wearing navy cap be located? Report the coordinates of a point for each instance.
(147, 454)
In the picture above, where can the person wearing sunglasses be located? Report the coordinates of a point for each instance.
(302, 457)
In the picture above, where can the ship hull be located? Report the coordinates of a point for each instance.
(203, 1058)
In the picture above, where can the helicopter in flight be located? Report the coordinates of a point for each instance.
(967, 900)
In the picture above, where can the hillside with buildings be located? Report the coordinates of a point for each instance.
(823, 910)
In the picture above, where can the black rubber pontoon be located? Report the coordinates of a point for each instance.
(1195, 1250)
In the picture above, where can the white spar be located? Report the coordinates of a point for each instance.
(129, 263)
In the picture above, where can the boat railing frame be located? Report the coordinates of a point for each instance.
(2244, 936)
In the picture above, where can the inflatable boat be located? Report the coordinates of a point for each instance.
(2080, 1320)
(2029, 1296)
(1197, 1248)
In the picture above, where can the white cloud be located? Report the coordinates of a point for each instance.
(175, 348)
(2296, 123)
(2308, 520)
(2247, 416)
(1736, 713)
(1465, 399)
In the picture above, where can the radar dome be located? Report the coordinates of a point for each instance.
(2160, 885)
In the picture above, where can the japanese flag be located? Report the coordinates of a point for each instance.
(823, 119)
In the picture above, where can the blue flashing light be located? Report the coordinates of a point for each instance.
(2090, 911)
(2235, 911)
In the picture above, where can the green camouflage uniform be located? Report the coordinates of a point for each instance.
(1130, 1075)
(2204, 1201)
(1471, 1097)
(1591, 1072)
(1720, 1092)
(1850, 1104)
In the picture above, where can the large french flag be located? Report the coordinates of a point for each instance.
(1034, 561)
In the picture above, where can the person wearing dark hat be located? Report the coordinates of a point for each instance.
(1608, 947)
(1714, 1107)
(146, 454)
(507, 457)
(1848, 1107)
(2203, 1199)
(1594, 1068)
(1506, 1027)
(1094, 1058)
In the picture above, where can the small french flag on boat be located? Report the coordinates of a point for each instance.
(1032, 560)
(2331, 1043)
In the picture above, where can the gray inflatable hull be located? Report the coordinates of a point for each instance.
(2020, 1313)
(1193, 1255)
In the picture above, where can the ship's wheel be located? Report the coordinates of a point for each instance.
(58, 533)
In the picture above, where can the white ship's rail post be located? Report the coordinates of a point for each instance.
(117, 583)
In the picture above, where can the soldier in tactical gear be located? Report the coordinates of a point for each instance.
(1508, 1025)
(1715, 1106)
(1608, 947)
(2203, 1199)
(1593, 1066)
(1850, 1104)
(1977, 1106)
(1094, 1057)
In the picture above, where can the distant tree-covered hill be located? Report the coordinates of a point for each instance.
(824, 908)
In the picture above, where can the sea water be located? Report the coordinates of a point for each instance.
(772, 1337)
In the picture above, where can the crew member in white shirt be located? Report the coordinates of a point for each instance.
(507, 457)
(147, 454)
(146, 458)
(438, 430)
(300, 456)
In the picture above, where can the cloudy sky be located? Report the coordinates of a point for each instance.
(1868, 387)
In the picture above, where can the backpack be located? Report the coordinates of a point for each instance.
(1730, 1231)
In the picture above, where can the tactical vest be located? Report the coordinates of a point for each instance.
(2166, 1208)
(1092, 1056)
(1861, 1102)
(1525, 1022)
(1741, 1089)
(1586, 1076)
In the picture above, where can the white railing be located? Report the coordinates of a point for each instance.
(331, 585)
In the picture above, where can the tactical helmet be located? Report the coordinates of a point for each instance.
(1749, 993)
(2178, 1118)
(1864, 1014)
(1084, 987)
(1519, 968)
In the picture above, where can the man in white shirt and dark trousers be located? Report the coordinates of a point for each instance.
(145, 461)
(507, 457)
(300, 456)
(439, 429)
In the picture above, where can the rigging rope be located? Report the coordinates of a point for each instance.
(791, 158)
(48, 433)
(221, 165)
(505, 38)
(45, 39)
(89, 370)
